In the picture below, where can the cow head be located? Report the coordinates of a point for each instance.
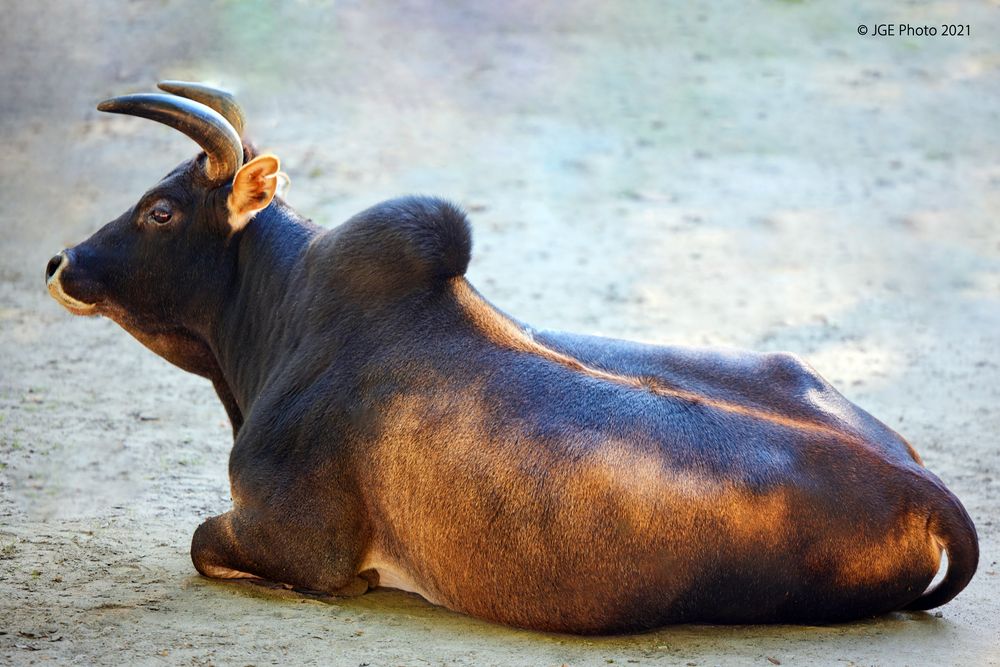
(155, 268)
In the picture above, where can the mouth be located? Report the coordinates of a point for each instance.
(74, 306)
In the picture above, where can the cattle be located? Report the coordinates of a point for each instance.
(393, 428)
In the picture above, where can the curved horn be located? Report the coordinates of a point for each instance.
(216, 98)
(211, 131)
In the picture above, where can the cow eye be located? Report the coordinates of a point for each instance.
(160, 215)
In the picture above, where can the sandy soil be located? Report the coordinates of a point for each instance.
(752, 174)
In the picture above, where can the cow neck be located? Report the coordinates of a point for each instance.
(259, 307)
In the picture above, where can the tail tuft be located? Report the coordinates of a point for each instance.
(951, 525)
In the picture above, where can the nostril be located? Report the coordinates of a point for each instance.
(53, 266)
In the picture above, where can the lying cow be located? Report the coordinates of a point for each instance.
(394, 428)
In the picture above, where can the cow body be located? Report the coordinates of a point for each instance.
(409, 433)
(392, 427)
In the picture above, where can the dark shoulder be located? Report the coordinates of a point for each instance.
(403, 242)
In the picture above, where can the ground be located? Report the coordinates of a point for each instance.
(738, 173)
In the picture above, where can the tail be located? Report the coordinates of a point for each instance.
(951, 526)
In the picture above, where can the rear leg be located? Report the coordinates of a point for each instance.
(230, 546)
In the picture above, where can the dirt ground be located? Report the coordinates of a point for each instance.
(733, 173)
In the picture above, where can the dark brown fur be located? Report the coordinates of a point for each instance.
(390, 422)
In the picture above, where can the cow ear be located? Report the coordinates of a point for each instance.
(253, 189)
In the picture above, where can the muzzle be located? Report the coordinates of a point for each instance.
(53, 280)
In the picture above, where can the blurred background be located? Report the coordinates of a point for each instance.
(730, 173)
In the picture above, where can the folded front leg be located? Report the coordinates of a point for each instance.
(234, 546)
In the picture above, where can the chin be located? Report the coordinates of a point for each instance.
(70, 303)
